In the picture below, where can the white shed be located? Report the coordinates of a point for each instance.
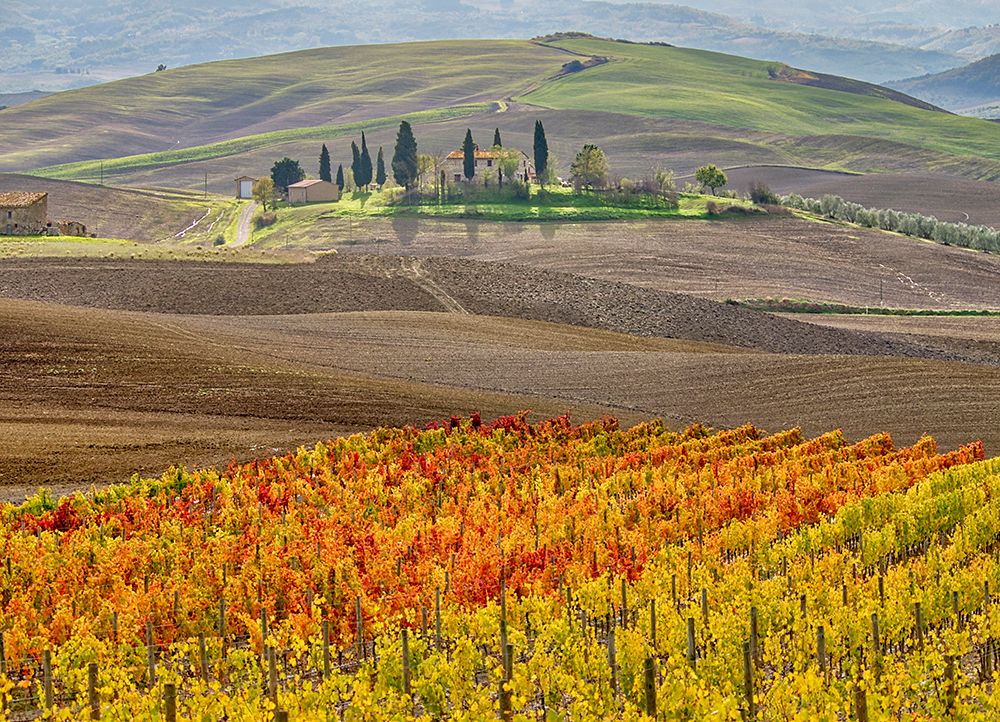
(244, 187)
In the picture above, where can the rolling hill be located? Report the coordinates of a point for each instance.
(73, 43)
(218, 101)
(966, 89)
(648, 105)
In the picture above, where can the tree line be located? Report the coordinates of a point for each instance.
(589, 169)
(980, 238)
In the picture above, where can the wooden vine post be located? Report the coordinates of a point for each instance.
(650, 687)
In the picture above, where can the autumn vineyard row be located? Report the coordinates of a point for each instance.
(517, 571)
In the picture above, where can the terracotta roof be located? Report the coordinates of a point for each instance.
(20, 200)
(306, 183)
(480, 154)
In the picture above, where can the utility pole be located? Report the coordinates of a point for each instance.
(102, 172)
(881, 292)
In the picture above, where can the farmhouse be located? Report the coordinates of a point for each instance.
(313, 191)
(23, 214)
(244, 187)
(486, 166)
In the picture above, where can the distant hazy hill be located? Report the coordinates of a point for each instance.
(852, 16)
(964, 89)
(9, 100)
(62, 44)
(971, 43)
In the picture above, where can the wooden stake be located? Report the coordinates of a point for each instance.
(47, 678)
(650, 685)
(406, 662)
(821, 647)
(652, 622)
(150, 654)
(362, 651)
(326, 649)
(748, 681)
(612, 660)
(92, 697)
(170, 702)
(203, 657)
(437, 618)
(692, 650)
(272, 675)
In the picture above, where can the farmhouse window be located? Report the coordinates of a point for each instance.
(458, 177)
(489, 164)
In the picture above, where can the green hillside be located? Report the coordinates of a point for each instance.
(648, 105)
(218, 101)
(725, 90)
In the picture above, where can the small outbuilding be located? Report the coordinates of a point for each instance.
(244, 187)
(313, 191)
(23, 214)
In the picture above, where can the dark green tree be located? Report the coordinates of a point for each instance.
(285, 172)
(366, 164)
(404, 157)
(497, 142)
(380, 177)
(340, 177)
(541, 151)
(324, 165)
(469, 155)
(356, 165)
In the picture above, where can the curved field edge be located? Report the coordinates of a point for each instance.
(91, 170)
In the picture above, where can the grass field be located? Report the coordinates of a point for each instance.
(212, 102)
(649, 106)
(731, 91)
(298, 223)
(91, 170)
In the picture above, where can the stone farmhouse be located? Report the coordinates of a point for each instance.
(24, 214)
(453, 168)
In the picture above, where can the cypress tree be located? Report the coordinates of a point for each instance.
(340, 177)
(380, 177)
(324, 165)
(541, 151)
(404, 157)
(497, 142)
(366, 162)
(356, 165)
(469, 155)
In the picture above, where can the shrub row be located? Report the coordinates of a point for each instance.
(980, 238)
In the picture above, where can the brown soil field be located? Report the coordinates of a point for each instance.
(767, 257)
(950, 199)
(340, 283)
(971, 328)
(91, 396)
(114, 212)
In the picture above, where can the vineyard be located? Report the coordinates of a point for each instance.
(517, 571)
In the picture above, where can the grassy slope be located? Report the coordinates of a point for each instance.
(217, 101)
(651, 105)
(726, 90)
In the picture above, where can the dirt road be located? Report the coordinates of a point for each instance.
(243, 227)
